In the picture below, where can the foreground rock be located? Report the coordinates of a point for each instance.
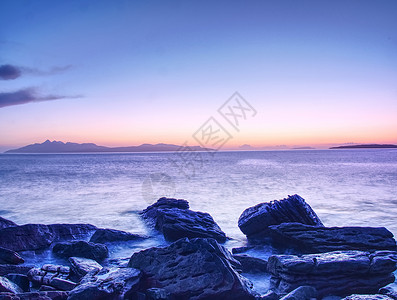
(54, 276)
(250, 264)
(55, 295)
(4, 223)
(120, 283)
(312, 239)
(8, 286)
(301, 293)
(367, 297)
(84, 249)
(192, 269)
(10, 257)
(254, 221)
(173, 218)
(112, 235)
(81, 266)
(338, 273)
(39, 236)
(15, 269)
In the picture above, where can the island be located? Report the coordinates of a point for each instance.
(365, 146)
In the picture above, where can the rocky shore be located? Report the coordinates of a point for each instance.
(310, 261)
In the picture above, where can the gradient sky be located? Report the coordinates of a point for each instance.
(129, 72)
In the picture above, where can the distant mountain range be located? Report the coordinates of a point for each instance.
(61, 147)
(365, 146)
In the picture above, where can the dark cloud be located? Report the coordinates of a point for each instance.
(26, 96)
(8, 72)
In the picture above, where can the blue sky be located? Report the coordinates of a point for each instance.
(132, 72)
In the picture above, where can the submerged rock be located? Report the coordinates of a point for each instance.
(312, 239)
(173, 218)
(112, 235)
(338, 273)
(193, 269)
(10, 257)
(108, 284)
(39, 236)
(84, 249)
(254, 221)
(4, 223)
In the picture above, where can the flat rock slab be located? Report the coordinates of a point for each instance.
(80, 266)
(173, 218)
(312, 239)
(254, 221)
(39, 236)
(193, 269)
(333, 273)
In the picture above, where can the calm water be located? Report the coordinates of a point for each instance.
(344, 187)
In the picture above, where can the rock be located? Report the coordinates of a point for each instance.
(388, 291)
(301, 293)
(157, 294)
(173, 218)
(251, 264)
(4, 223)
(254, 221)
(312, 239)
(112, 235)
(7, 269)
(337, 273)
(8, 286)
(45, 295)
(108, 284)
(8, 296)
(81, 266)
(21, 280)
(84, 249)
(193, 269)
(367, 297)
(270, 295)
(39, 236)
(10, 257)
(52, 275)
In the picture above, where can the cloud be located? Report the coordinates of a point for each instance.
(26, 96)
(9, 72)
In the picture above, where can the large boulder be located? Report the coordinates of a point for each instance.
(10, 257)
(173, 218)
(313, 239)
(254, 221)
(193, 269)
(113, 235)
(84, 249)
(4, 223)
(338, 273)
(120, 283)
(39, 236)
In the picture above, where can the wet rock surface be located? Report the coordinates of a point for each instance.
(334, 273)
(80, 266)
(193, 269)
(254, 221)
(56, 276)
(250, 264)
(10, 257)
(83, 249)
(312, 239)
(301, 293)
(173, 218)
(4, 223)
(111, 235)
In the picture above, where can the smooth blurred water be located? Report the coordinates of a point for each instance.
(344, 187)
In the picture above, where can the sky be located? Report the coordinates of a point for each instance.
(121, 73)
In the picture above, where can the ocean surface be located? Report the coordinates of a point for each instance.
(344, 187)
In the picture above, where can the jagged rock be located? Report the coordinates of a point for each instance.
(301, 293)
(7, 269)
(4, 223)
(108, 284)
(39, 236)
(338, 273)
(250, 264)
(21, 280)
(10, 257)
(52, 275)
(193, 269)
(254, 221)
(312, 239)
(81, 266)
(367, 297)
(84, 249)
(8, 286)
(388, 291)
(112, 235)
(173, 218)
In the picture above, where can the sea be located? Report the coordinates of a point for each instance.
(349, 187)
